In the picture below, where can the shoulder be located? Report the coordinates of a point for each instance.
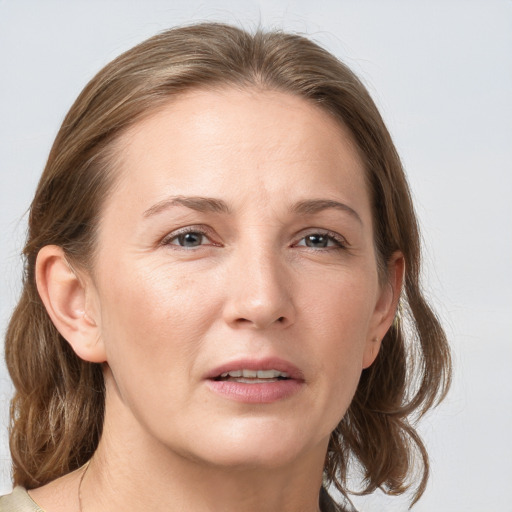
(18, 501)
(327, 504)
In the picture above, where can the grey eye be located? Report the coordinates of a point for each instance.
(191, 239)
(317, 240)
(321, 241)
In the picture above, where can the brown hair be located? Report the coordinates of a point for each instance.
(57, 411)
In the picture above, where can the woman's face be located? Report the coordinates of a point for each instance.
(235, 284)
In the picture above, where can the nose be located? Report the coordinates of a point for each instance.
(259, 293)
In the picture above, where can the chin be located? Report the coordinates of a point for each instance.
(259, 444)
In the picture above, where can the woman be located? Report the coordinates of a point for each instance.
(217, 251)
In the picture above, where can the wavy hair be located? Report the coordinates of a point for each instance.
(58, 407)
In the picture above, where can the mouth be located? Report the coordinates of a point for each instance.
(247, 376)
(252, 381)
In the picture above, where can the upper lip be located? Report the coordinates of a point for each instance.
(271, 363)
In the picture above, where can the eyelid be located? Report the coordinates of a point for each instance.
(340, 240)
(202, 230)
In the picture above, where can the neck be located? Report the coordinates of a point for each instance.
(130, 471)
(196, 489)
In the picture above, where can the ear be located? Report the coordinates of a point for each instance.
(385, 308)
(68, 301)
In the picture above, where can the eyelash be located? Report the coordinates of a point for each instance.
(339, 243)
(168, 240)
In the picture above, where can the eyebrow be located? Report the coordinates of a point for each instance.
(312, 206)
(198, 203)
(209, 204)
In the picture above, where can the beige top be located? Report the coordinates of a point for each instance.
(18, 501)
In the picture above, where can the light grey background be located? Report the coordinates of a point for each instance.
(441, 72)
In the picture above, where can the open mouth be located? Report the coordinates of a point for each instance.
(252, 376)
(256, 382)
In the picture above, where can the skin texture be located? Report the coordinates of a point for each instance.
(273, 271)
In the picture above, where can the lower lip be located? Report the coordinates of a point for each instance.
(264, 393)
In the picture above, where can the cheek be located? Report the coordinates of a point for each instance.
(341, 308)
(339, 315)
(152, 319)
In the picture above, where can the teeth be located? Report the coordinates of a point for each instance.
(270, 374)
(255, 374)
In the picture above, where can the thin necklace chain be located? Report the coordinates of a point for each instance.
(86, 467)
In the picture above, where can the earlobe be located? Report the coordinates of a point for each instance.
(385, 309)
(371, 352)
(67, 301)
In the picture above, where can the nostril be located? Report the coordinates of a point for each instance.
(243, 321)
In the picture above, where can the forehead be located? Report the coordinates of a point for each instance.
(229, 141)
